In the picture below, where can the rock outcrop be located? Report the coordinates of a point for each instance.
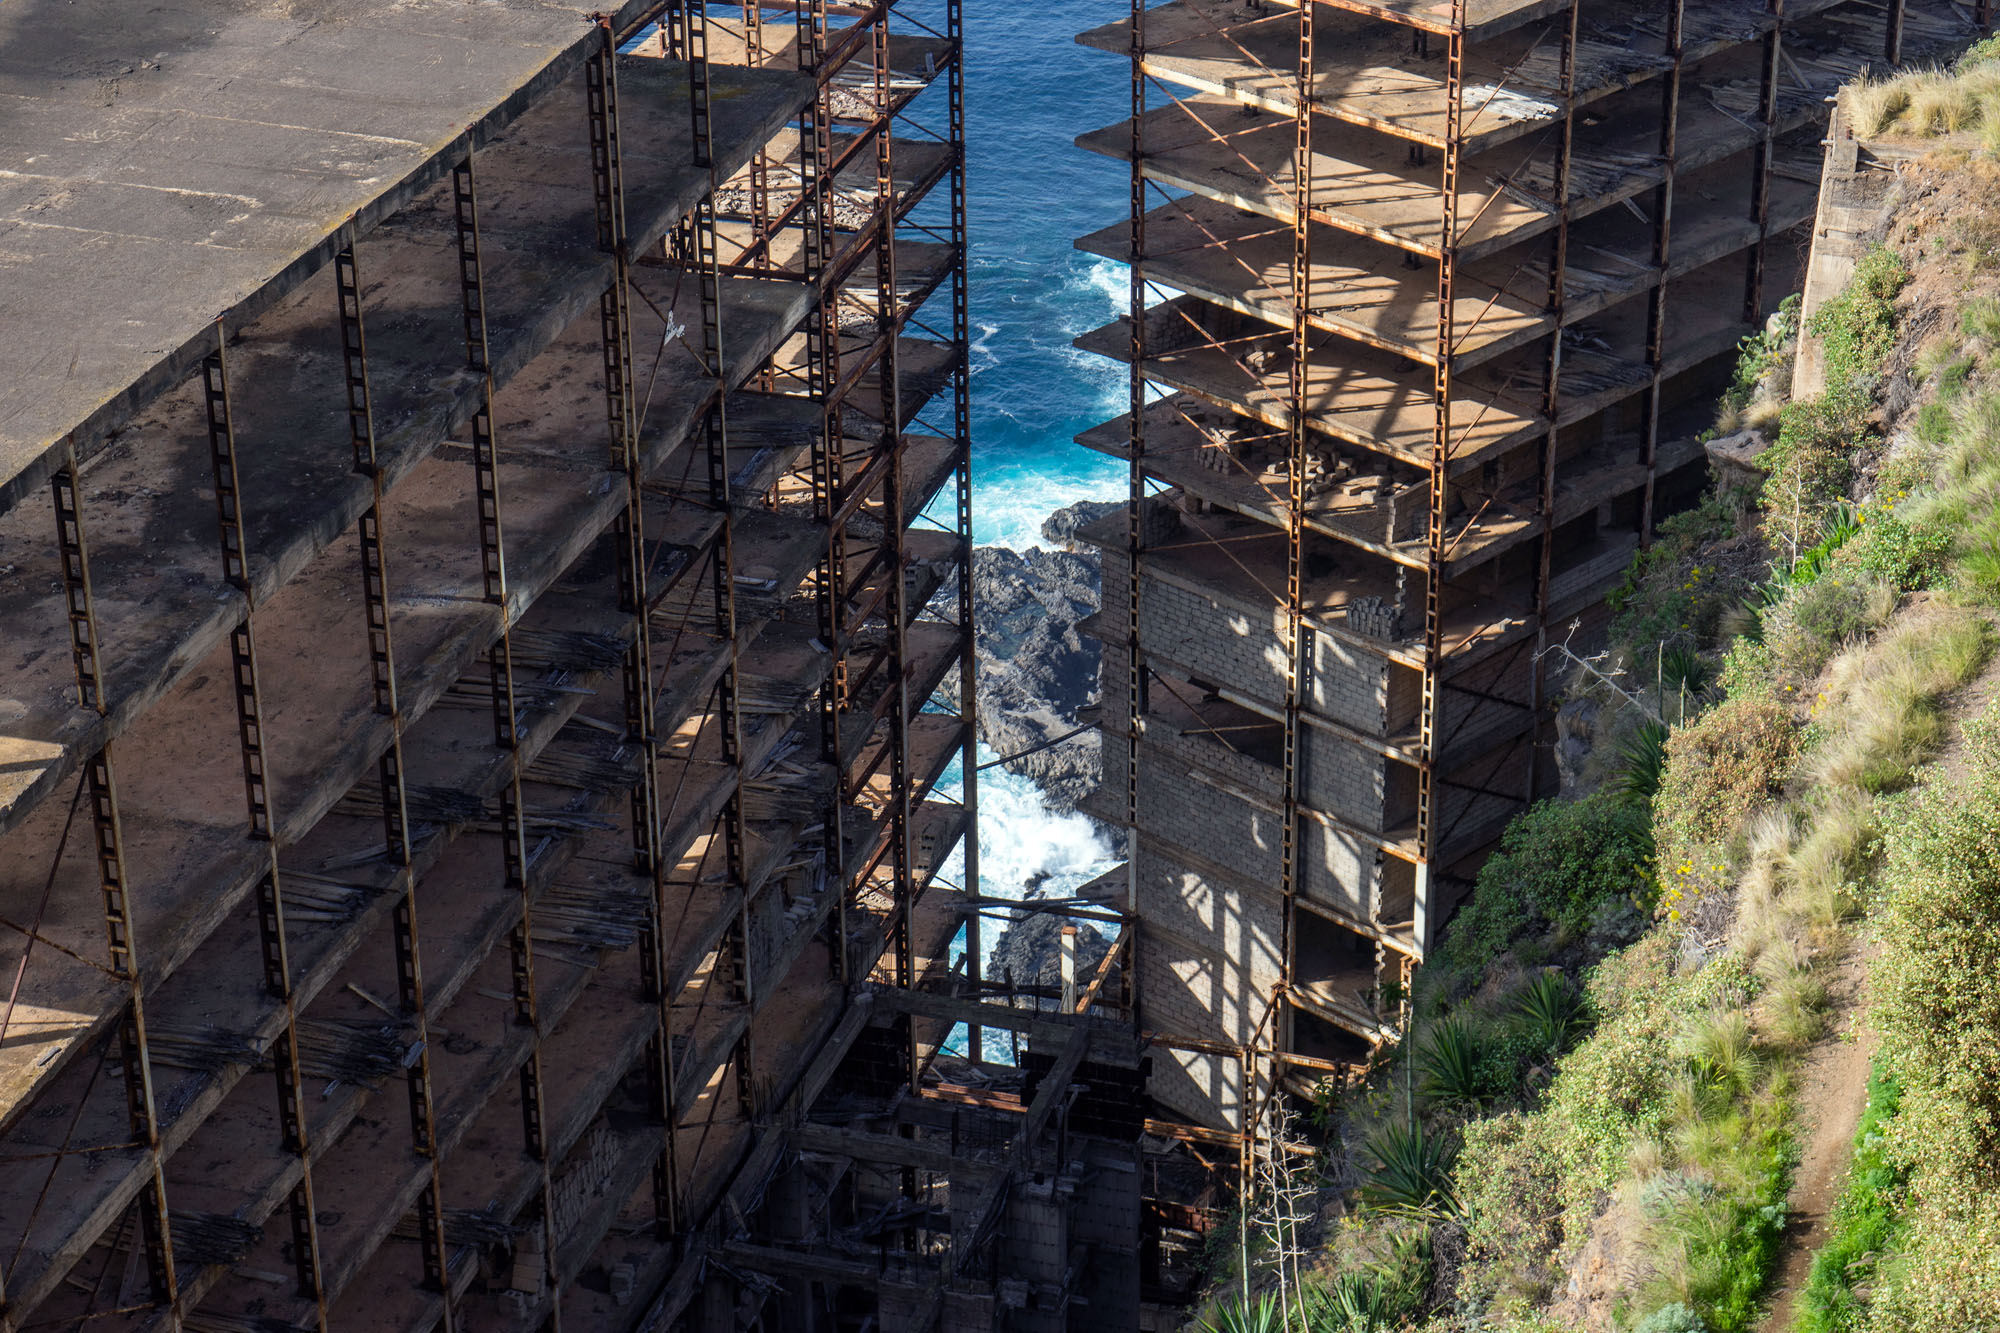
(1036, 672)
(1030, 951)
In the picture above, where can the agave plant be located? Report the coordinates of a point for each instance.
(1643, 762)
(1244, 1315)
(1682, 668)
(1351, 1303)
(1450, 1059)
(1408, 1171)
(1548, 1012)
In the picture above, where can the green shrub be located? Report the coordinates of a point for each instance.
(1510, 1183)
(1938, 986)
(1811, 465)
(1816, 620)
(1857, 329)
(1719, 770)
(1673, 591)
(1759, 352)
(1938, 977)
(1906, 554)
(1981, 52)
(1558, 862)
(1675, 1318)
(1748, 669)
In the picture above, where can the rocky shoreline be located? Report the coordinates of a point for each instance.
(1037, 681)
(1037, 674)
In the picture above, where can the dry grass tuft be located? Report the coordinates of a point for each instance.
(1927, 103)
(1872, 105)
(1887, 701)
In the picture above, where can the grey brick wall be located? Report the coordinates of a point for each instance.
(1242, 645)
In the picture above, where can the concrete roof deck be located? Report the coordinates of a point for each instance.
(915, 58)
(190, 163)
(161, 600)
(1231, 49)
(321, 731)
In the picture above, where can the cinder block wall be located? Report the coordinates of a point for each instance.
(1241, 644)
(1208, 956)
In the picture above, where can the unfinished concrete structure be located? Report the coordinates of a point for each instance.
(472, 703)
(1429, 303)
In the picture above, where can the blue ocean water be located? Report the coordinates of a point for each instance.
(1030, 192)
(1030, 90)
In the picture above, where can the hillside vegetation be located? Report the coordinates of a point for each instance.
(1791, 841)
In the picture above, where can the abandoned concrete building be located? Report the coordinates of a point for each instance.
(477, 733)
(1429, 305)
(486, 677)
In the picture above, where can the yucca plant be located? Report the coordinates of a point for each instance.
(1408, 1171)
(1450, 1059)
(1642, 762)
(1245, 1315)
(1684, 669)
(1352, 1303)
(1548, 1011)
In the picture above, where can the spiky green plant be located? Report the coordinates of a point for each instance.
(1450, 1060)
(1642, 762)
(1683, 670)
(1408, 1171)
(1548, 1011)
(1243, 1315)
(1351, 1303)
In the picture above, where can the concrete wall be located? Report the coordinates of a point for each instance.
(1242, 646)
(1227, 809)
(1207, 952)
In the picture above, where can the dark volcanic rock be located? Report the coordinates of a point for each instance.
(1060, 527)
(1031, 949)
(1035, 670)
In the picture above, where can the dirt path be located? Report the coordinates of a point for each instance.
(1832, 1093)
(1833, 1083)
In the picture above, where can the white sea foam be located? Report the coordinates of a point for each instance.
(1023, 844)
